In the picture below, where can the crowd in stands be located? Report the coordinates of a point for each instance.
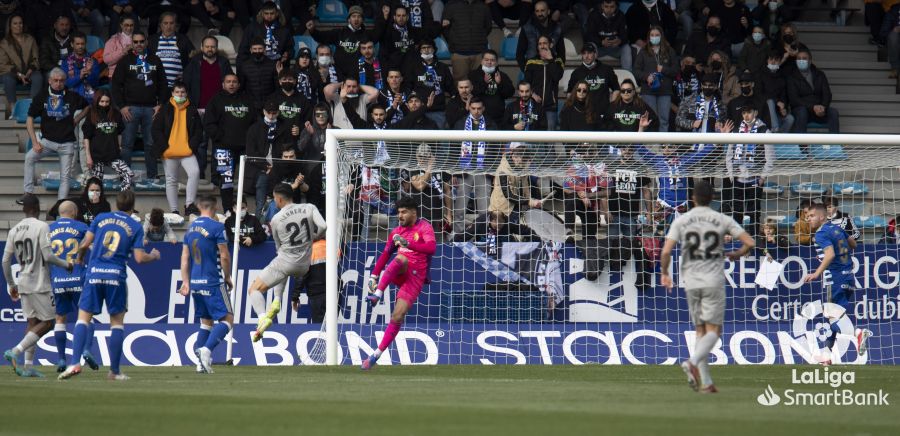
(697, 66)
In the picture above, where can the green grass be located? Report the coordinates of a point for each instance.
(434, 400)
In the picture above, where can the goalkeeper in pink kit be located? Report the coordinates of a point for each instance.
(413, 241)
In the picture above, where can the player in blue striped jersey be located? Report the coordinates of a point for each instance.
(112, 239)
(206, 275)
(834, 249)
(66, 234)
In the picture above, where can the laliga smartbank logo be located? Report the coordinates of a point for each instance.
(840, 394)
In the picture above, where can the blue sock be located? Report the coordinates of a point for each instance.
(218, 333)
(115, 347)
(89, 342)
(81, 330)
(202, 335)
(59, 336)
(835, 329)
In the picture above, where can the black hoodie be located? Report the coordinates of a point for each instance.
(227, 119)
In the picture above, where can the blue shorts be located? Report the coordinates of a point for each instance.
(114, 292)
(211, 302)
(66, 302)
(841, 292)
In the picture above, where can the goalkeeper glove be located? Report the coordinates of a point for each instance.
(373, 283)
(400, 241)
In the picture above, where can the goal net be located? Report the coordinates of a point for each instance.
(548, 246)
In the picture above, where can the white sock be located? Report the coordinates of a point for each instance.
(705, 376)
(258, 302)
(59, 327)
(377, 353)
(28, 341)
(29, 356)
(703, 346)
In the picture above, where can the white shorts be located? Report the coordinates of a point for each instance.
(280, 269)
(39, 306)
(706, 305)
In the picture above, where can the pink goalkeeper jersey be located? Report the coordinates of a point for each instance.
(421, 246)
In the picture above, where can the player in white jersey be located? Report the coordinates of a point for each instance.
(29, 242)
(701, 233)
(294, 228)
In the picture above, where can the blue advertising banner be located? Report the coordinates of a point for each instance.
(529, 303)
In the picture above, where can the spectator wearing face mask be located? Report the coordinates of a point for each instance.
(328, 73)
(770, 14)
(810, 96)
(346, 40)
(307, 76)
(646, 13)
(754, 52)
(701, 44)
(773, 87)
(686, 82)
(257, 73)
(749, 98)
(251, 232)
(262, 141)
(492, 85)
(429, 75)
(701, 111)
(789, 45)
(656, 66)
(719, 65)
(293, 107)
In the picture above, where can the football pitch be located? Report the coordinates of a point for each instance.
(437, 400)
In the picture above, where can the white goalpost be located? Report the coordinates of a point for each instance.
(563, 286)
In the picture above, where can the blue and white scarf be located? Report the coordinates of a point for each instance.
(59, 110)
(397, 114)
(465, 153)
(414, 7)
(432, 79)
(303, 85)
(144, 69)
(376, 67)
(271, 42)
(381, 153)
(404, 37)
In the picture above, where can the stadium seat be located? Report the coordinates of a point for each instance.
(870, 222)
(622, 74)
(20, 110)
(623, 6)
(849, 188)
(788, 152)
(442, 51)
(332, 11)
(301, 41)
(226, 47)
(571, 50)
(772, 188)
(510, 44)
(808, 188)
(816, 125)
(94, 43)
(827, 151)
(51, 183)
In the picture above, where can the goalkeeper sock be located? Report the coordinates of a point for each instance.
(389, 335)
(29, 357)
(703, 368)
(202, 335)
(390, 273)
(81, 330)
(115, 347)
(258, 302)
(27, 342)
(218, 333)
(703, 346)
(59, 335)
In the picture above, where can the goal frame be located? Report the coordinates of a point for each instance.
(332, 184)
